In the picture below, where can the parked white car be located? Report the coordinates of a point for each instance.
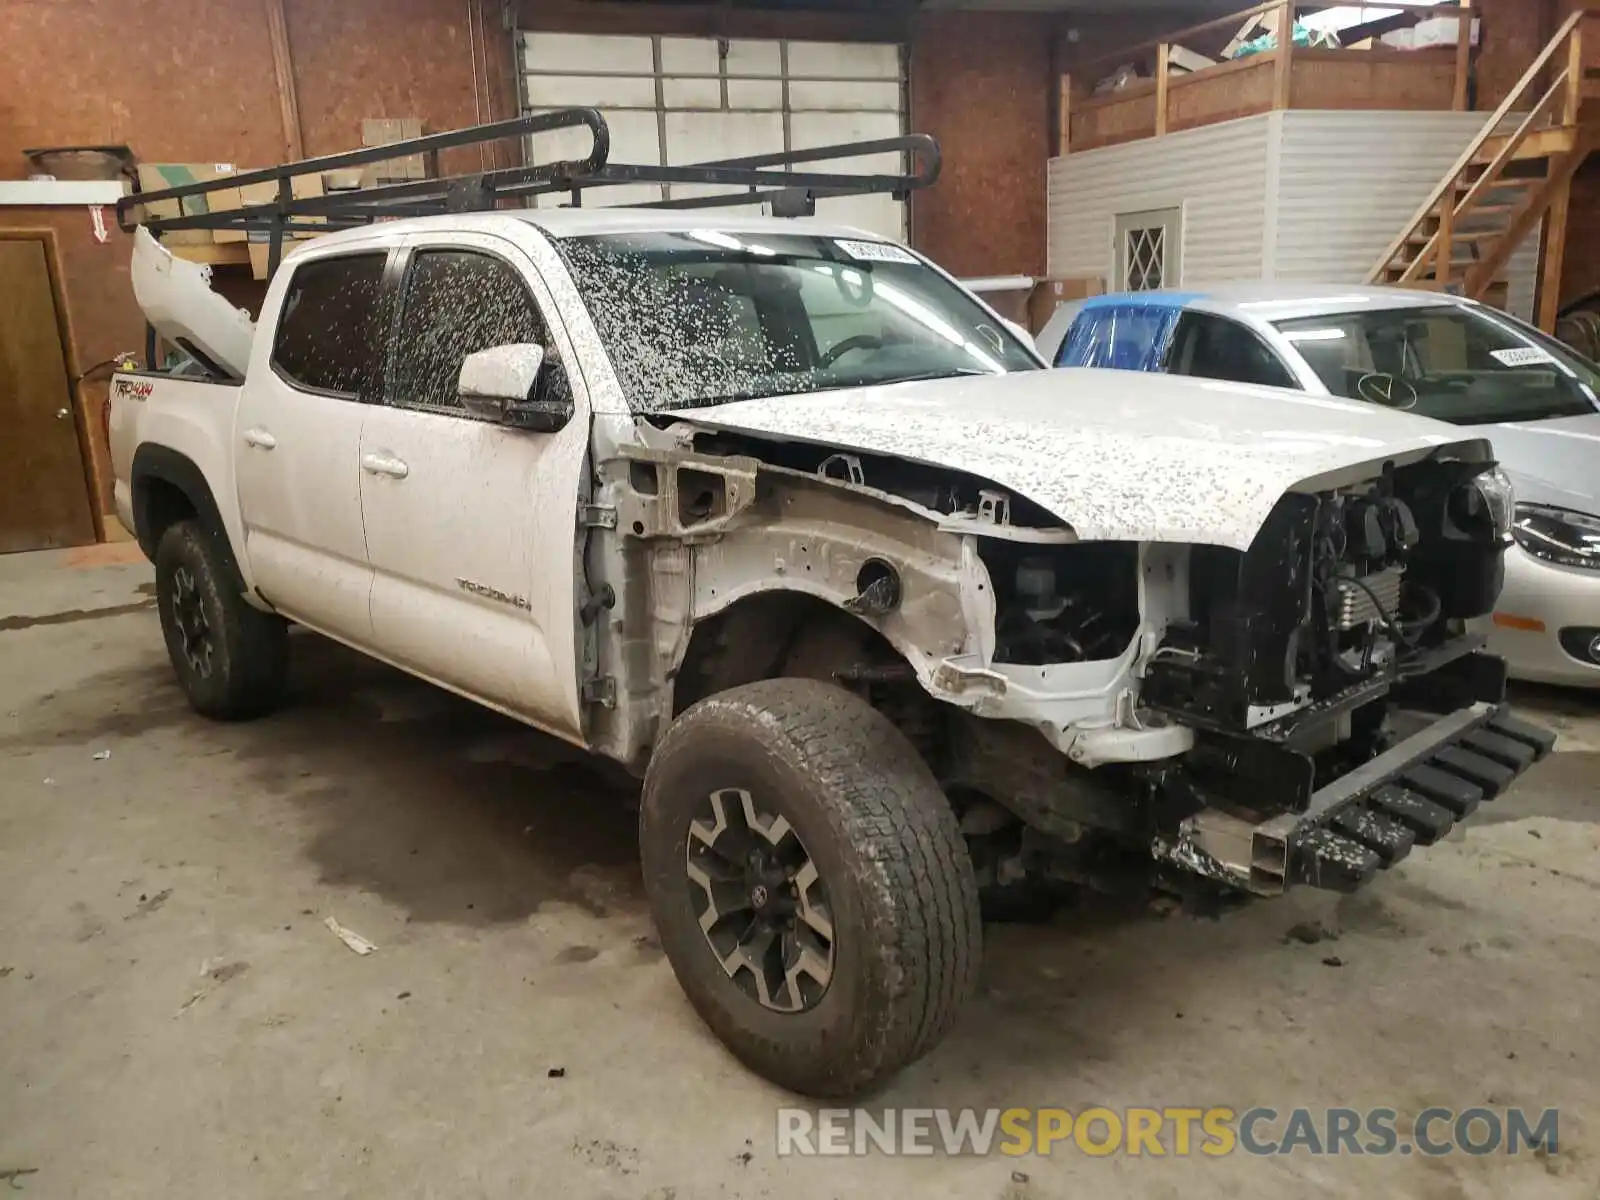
(1433, 355)
(884, 613)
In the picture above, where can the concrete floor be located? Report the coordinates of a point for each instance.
(176, 1021)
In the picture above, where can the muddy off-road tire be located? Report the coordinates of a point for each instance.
(231, 660)
(810, 885)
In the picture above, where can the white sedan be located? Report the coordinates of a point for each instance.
(1430, 354)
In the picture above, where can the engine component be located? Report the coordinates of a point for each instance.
(1373, 600)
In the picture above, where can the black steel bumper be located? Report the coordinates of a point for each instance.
(1412, 794)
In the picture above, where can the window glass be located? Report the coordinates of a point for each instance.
(1211, 347)
(457, 303)
(325, 331)
(706, 316)
(1449, 362)
(1121, 337)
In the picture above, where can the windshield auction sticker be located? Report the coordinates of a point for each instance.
(875, 251)
(1522, 356)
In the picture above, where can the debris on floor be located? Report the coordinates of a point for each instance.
(349, 937)
(101, 755)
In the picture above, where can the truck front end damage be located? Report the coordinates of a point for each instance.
(1300, 709)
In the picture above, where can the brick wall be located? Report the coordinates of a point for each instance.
(193, 81)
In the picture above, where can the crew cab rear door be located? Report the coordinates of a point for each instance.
(471, 526)
(297, 433)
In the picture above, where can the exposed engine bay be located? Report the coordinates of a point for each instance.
(1339, 589)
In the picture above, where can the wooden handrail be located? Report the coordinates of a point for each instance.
(1490, 177)
(1448, 183)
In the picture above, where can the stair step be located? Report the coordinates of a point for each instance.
(1519, 182)
(1464, 236)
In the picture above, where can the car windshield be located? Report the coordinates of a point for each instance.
(705, 317)
(1468, 366)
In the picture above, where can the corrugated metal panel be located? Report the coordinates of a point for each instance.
(678, 100)
(1348, 181)
(1217, 174)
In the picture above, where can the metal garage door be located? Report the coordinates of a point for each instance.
(675, 100)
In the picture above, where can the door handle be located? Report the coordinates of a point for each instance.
(381, 464)
(260, 439)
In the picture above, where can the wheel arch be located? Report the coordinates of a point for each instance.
(167, 486)
(786, 632)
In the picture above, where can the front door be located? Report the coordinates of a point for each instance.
(298, 437)
(1149, 250)
(44, 497)
(472, 526)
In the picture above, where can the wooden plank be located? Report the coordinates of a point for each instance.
(1540, 143)
(1352, 80)
(45, 500)
(1283, 67)
(283, 68)
(1575, 75)
(1163, 73)
(1448, 183)
(1554, 258)
(1064, 117)
(1463, 56)
(1443, 242)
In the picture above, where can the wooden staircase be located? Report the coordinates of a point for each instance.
(1508, 182)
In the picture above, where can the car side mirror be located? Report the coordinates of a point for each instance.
(501, 385)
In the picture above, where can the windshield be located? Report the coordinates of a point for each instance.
(705, 317)
(1468, 366)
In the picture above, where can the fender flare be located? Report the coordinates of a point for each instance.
(154, 463)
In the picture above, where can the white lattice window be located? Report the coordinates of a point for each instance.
(1147, 250)
(1147, 254)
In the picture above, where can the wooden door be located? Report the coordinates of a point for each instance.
(44, 494)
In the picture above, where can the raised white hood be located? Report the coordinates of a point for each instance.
(177, 300)
(1117, 455)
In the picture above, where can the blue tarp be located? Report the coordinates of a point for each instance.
(1122, 334)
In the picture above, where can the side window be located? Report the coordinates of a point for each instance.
(1119, 337)
(325, 330)
(1211, 347)
(456, 303)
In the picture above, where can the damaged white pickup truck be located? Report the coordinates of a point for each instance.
(885, 614)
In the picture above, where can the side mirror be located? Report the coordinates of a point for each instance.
(501, 384)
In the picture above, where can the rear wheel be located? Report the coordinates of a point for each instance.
(810, 884)
(231, 659)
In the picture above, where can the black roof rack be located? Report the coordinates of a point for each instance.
(777, 178)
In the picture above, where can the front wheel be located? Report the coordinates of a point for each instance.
(810, 884)
(231, 659)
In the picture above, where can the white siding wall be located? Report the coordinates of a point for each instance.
(1298, 195)
(1217, 175)
(1348, 181)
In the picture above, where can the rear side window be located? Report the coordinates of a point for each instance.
(1211, 347)
(1120, 337)
(325, 337)
(457, 302)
